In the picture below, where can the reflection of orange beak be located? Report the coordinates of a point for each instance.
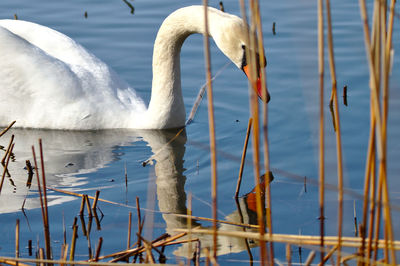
(259, 87)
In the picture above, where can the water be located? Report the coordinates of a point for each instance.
(84, 162)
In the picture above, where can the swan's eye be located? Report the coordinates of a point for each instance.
(243, 47)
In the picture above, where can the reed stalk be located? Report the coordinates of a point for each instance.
(6, 167)
(98, 249)
(300, 240)
(134, 250)
(64, 253)
(321, 69)
(8, 150)
(128, 244)
(310, 258)
(264, 90)
(17, 239)
(73, 242)
(10, 261)
(254, 110)
(372, 207)
(381, 121)
(189, 227)
(288, 255)
(41, 256)
(246, 142)
(46, 212)
(7, 128)
(337, 126)
(82, 208)
(96, 198)
(88, 206)
(211, 125)
(139, 218)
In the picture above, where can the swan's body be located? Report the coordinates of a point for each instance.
(47, 80)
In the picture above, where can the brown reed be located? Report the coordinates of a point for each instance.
(82, 208)
(96, 198)
(88, 205)
(246, 141)
(17, 239)
(7, 128)
(264, 90)
(73, 241)
(211, 125)
(310, 258)
(251, 58)
(337, 126)
(46, 212)
(8, 150)
(6, 167)
(128, 244)
(288, 255)
(321, 69)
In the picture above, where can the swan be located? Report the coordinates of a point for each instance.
(47, 80)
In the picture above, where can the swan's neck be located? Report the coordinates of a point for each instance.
(166, 108)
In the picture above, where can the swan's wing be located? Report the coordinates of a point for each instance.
(45, 73)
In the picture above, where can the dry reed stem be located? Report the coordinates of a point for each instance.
(337, 126)
(73, 242)
(189, 226)
(368, 181)
(7, 128)
(128, 243)
(6, 167)
(246, 142)
(46, 212)
(263, 76)
(328, 255)
(17, 238)
(83, 225)
(310, 258)
(132, 251)
(88, 206)
(288, 255)
(200, 95)
(211, 125)
(41, 256)
(11, 261)
(8, 150)
(251, 59)
(40, 195)
(82, 208)
(96, 198)
(139, 219)
(381, 122)
(98, 249)
(372, 208)
(321, 69)
(64, 253)
(299, 240)
(150, 245)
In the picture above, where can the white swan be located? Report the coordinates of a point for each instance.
(47, 80)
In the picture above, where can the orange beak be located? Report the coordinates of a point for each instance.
(258, 87)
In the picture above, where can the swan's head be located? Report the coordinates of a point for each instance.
(231, 39)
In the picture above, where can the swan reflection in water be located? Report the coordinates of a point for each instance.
(69, 153)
